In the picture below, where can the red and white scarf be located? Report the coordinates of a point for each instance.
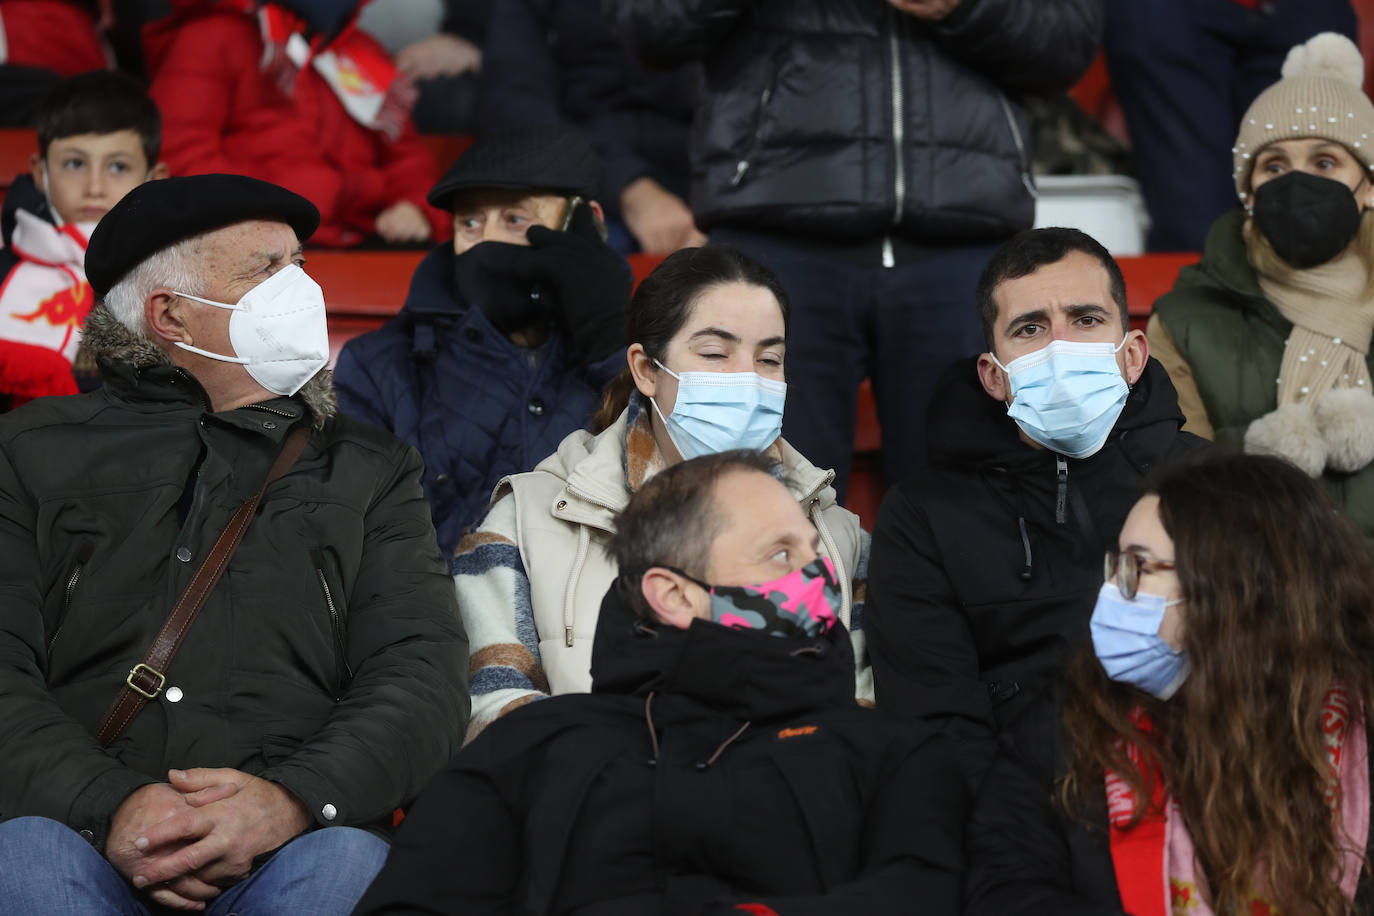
(1155, 863)
(358, 69)
(45, 298)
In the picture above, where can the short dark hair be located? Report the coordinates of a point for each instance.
(1026, 252)
(673, 518)
(100, 102)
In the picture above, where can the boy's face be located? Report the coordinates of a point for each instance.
(87, 174)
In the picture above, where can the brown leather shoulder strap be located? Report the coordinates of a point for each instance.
(146, 679)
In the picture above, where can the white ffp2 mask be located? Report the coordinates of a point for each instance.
(278, 330)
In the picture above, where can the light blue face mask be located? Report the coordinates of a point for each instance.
(719, 411)
(1067, 395)
(1127, 642)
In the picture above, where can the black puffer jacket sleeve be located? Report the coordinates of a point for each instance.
(1036, 47)
(405, 709)
(925, 660)
(667, 33)
(1026, 856)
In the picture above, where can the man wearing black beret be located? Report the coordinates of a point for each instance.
(227, 640)
(509, 334)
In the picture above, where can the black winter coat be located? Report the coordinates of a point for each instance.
(986, 564)
(709, 767)
(329, 658)
(1027, 856)
(848, 119)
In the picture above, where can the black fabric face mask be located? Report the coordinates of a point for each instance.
(1308, 219)
(497, 277)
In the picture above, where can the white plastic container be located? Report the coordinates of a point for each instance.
(1107, 207)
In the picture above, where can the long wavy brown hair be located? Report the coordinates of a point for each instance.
(1278, 592)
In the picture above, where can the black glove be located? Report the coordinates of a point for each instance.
(584, 284)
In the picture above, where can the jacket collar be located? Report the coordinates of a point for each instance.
(969, 428)
(432, 291)
(746, 673)
(133, 366)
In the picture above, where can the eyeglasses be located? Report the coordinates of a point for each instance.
(1125, 569)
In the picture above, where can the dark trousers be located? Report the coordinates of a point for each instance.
(1185, 71)
(899, 326)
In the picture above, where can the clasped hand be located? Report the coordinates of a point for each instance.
(184, 840)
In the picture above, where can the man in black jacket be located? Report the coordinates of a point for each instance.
(871, 153)
(323, 682)
(720, 764)
(985, 565)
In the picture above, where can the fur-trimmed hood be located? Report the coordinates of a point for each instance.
(109, 341)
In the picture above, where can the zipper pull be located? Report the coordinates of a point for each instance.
(740, 168)
(889, 257)
(1061, 500)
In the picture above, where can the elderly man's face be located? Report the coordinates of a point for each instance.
(763, 535)
(233, 260)
(503, 216)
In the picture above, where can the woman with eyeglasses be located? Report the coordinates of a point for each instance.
(1209, 753)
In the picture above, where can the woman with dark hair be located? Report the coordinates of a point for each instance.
(708, 336)
(1211, 756)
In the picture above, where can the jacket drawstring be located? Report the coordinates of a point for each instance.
(723, 745)
(1027, 558)
(653, 733)
(1028, 569)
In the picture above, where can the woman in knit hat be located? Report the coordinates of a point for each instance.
(1267, 339)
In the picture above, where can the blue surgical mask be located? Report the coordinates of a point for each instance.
(1067, 395)
(1127, 642)
(719, 411)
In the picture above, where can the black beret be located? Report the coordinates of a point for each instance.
(537, 158)
(160, 213)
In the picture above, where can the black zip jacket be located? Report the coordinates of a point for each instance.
(329, 658)
(849, 119)
(709, 767)
(986, 564)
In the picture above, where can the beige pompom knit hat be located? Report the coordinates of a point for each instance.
(1319, 95)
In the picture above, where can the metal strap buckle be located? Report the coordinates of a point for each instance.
(146, 674)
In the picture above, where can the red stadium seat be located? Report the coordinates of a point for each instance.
(17, 144)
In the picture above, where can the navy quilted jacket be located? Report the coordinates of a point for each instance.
(475, 405)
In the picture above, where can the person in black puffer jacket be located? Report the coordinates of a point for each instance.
(870, 153)
(720, 764)
(985, 564)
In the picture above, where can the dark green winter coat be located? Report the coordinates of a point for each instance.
(330, 658)
(1232, 338)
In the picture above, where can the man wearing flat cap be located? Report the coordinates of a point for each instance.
(508, 335)
(229, 648)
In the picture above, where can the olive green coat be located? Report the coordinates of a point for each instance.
(1232, 338)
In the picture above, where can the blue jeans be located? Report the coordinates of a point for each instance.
(47, 869)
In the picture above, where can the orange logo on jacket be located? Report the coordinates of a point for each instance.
(798, 732)
(65, 307)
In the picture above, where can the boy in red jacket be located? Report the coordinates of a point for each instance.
(98, 139)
